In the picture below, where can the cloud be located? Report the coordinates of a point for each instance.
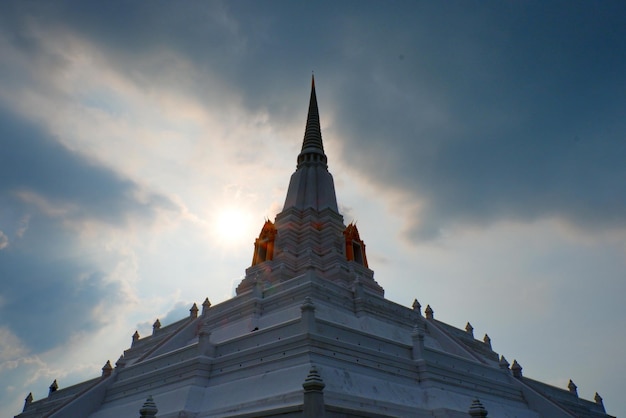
(4, 240)
(11, 349)
(502, 124)
(15, 361)
(66, 292)
(69, 269)
(146, 114)
(480, 120)
(50, 196)
(39, 173)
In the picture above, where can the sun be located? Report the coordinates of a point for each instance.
(233, 226)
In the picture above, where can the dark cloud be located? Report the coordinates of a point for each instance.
(507, 111)
(511, 112)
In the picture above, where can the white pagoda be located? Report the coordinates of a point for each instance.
(310, 334)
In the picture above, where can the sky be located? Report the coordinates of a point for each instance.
(480, 146)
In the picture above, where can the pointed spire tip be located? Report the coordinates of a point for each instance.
(312, 146)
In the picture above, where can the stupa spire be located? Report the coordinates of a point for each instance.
(311, 186)
(312, 143)
(308, 236)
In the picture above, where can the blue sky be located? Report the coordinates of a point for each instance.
(479, 145)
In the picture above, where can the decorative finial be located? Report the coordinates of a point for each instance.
(205, 306)
(29, 400)
(313, 381)
(430, 314)
(477, 409)
(517, 369)
(469, 329)
(572, 387)
(107, 369)
(193, 312)
(121, 362)
(598, 400)
(307, 304)
(135, 337)
(156, 326)
(503, 363)
(487, 340)
(149, 408)
(53, 387)
(417, 307)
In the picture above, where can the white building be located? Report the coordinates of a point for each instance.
(310, 334)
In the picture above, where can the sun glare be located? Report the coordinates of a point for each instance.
(233, 226)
